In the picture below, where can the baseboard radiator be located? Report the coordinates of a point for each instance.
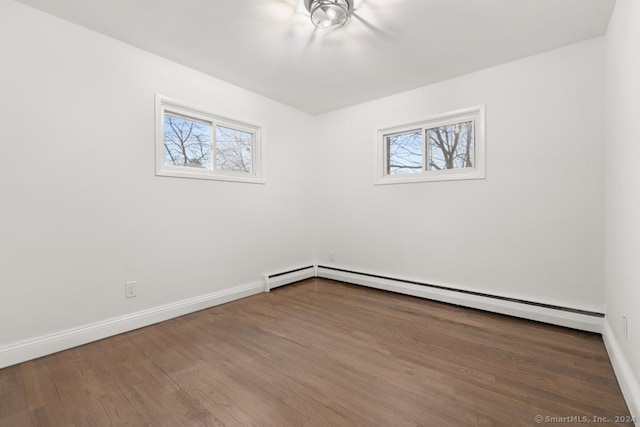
(575, 318)
(275, 280)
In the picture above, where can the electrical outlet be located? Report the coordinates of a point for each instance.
(332, 256)
(625, 326)
(131, 289)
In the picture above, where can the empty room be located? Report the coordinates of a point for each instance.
(319, 212)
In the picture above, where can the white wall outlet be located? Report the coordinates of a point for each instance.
(130, 289)
(625, 326)
(332, 256)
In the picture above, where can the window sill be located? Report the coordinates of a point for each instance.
(452, 175)
(212, 177)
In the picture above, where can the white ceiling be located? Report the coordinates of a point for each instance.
(270, 47)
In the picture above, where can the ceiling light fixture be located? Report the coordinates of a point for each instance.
(327, 14)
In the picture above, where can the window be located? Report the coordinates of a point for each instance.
(191, 143)
(447, 147)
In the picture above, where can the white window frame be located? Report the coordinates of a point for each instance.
(172, 106)
(475, 114)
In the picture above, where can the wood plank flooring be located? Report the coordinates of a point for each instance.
(321, 353)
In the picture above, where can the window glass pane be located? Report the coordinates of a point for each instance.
(404, 153)
(451, 146)
(233, 149)
(186, 142)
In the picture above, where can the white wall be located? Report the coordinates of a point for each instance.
(81, 210)
(531, 230)
(622, 185)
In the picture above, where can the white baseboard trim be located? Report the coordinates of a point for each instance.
(628, 382)
(280, 279)
(532, 312)
(53, 343)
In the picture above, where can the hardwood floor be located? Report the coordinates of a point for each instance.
(321, 353)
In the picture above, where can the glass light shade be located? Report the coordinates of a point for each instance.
(327, 14)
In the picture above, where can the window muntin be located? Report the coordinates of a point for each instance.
(191, 143)
(447, 147)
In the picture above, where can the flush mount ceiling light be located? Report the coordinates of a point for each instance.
(327, 14)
